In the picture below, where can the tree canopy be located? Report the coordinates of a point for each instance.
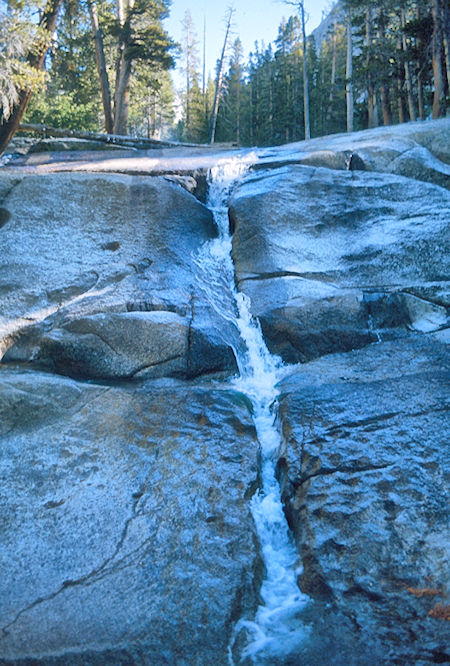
(104, 64)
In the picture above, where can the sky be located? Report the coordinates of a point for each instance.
(253, 20)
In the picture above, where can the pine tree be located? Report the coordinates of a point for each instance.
(437, 50)
(70, 98)
(33, 57)
(220, 74)
(16, 37)
(136, 26)
(229, 122)
(190, 69)
(152, 103)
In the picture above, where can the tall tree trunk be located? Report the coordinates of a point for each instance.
(101, 67)
(252, 112)
(386, 105)
(439, 102)
(408, 78)
(371, 93)
(123, 70)
(35, 58)
(420, 67)
(204, 58)
(400, 83)
(333, 75)
(220, 79)
(188, 96)
(238, 111)
(349, 75)
(384, 88)
(188, 68)
(420, 96)
(122, 96)
(305, 75)
(271, 105)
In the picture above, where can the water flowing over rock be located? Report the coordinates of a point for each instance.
(156, 507)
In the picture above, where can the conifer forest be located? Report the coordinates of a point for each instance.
(103, 66)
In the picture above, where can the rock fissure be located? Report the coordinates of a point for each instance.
(93, 576)
(155, 364)
(342, 428)
(281, 274)
(101, 337)
(352, 469)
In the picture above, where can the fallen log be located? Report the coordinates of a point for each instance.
(140, 143)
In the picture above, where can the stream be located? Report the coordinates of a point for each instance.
(276, 630)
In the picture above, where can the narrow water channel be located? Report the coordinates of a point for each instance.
(276, 629)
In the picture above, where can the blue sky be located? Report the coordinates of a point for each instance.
(253, 20)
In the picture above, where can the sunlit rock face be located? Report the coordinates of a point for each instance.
(96, 270)
(420, 151)
(127, 533)
(330, 259)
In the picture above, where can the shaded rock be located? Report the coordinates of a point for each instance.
(341, 160)
(434, 136)
(420, 164)
(135, 344)
(127, 534)
(187, 182)
(312, 247)
(20, 145)
(209, 352)
(364, 481)
(5, 216)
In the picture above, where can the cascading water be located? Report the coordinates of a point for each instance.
(276, 630)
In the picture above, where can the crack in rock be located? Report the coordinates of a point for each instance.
(155, 364)
(280, 274)
(324, 471)
(11, 189)
(97, 574)
(336, 429)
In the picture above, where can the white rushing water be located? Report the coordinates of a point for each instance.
(276, 630)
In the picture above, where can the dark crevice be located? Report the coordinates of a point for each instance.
(359, 590)
(280, 274)
(10, 190)
(342, 427)
(106, 568)
(351, 469)
(147, 306)
(153, 365)
(5, 214)
(190, 335)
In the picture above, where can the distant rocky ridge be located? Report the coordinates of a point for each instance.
(323, 29)
(128, 460)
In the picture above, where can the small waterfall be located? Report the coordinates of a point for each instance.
(276, 630)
